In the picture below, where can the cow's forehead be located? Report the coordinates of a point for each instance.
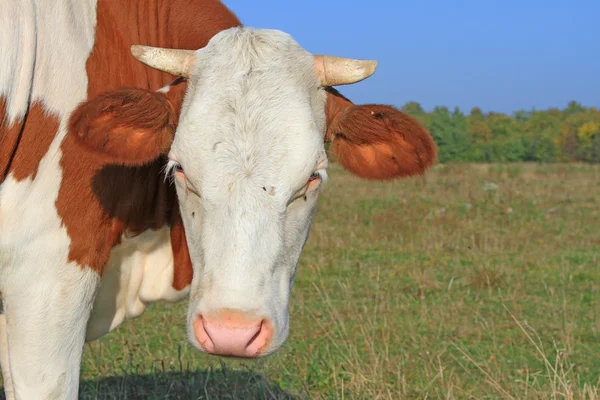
(241, 49)
(254, 111)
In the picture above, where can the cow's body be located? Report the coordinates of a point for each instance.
(76, 234)
(46, 205)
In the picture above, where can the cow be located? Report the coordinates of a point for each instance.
(157, 150)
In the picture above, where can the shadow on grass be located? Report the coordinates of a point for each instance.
(201, 384)
(207, 384)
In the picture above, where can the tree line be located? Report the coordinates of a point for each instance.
(553, 135)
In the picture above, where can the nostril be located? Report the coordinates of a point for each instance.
(256, 335)
(261, 339)
(202, 336)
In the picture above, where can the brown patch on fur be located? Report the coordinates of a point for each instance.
(126, 126)
(178, 24)
(24, 143)
(110, 200)
(182, 264)
(377, 141)
(99, 198)
(143, 201)
(91, 229)
(9, 137)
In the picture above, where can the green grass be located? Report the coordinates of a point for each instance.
(422, 288)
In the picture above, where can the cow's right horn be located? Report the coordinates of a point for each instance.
(174, 61)
(334, 71)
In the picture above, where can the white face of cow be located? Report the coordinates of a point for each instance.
(248, 162)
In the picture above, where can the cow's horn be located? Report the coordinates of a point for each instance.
(174, 61)
(334, 71)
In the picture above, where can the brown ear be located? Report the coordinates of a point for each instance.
(182, 264)
(377, 142)
(126, 126)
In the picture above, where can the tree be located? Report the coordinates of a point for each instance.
(540, 130)
(476, 114)
(573, 108)
(450, 133)
(522, 116)
(415, 110)
(571, 134)
(567, 142)
(586, 137)
(507, 143)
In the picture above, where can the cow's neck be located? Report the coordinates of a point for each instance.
(160, 23)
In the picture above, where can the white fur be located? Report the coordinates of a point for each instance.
(139, 272)
(6, 377)
(250, 136)
(43, 47)
(18, 37)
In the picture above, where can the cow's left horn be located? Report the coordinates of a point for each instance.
(174, 61)
(334, 71)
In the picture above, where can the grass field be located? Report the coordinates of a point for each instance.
(474, 282)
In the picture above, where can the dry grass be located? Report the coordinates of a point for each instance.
(427, 288)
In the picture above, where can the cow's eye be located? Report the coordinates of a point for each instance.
(311, 185)
(315, 176)
(174, 167)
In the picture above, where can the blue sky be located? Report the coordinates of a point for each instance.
(499, 55)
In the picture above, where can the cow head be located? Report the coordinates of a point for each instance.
(248, 162)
